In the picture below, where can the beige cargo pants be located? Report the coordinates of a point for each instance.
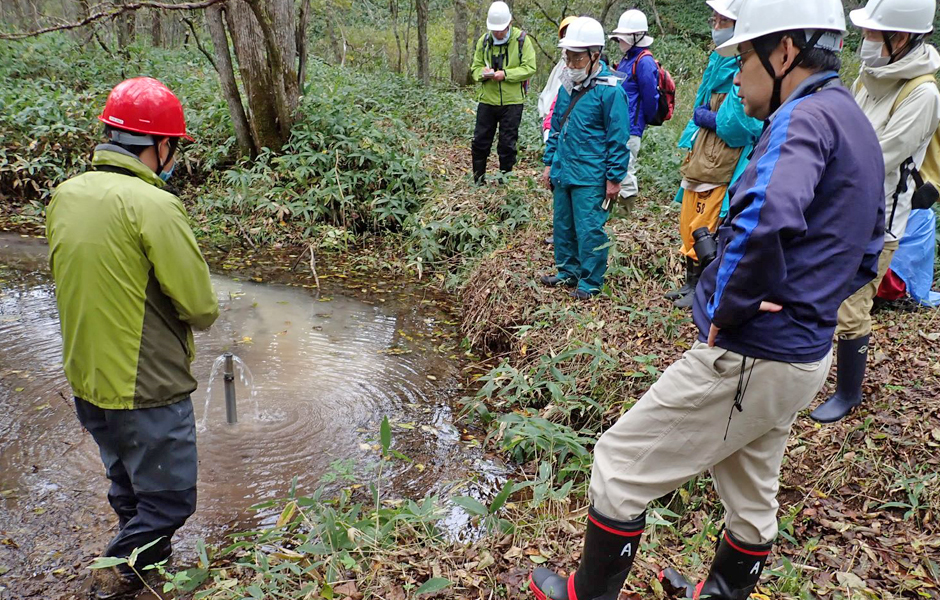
(677, 430)
(855, 312)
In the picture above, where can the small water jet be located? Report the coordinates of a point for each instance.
(231, 409)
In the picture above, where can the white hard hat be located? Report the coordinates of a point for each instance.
(498, 17)
(758, 18)
(726, 8)
(631, 22)
(912, 16)
(582, 34)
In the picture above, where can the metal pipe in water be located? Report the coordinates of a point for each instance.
(231, 411)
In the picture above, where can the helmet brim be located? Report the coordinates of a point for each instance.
(721, 10)
(570, 46)
(619, 32)
(730, 48)
(861, 19)
(494, 26)
(185, 136)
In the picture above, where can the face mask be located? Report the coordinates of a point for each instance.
(578, 75)
(165, 175)
(871, 54)
(720, 36)
(500, 42)
(625, 45)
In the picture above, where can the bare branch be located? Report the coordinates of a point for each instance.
(535, 39)
(110, 14)
(548, 16)
(199, 45)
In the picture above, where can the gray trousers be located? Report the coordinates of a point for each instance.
(150, 457)
(678, 430)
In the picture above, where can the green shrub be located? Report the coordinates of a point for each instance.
(52, 89)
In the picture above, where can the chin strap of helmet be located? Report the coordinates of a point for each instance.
(897, 54)
(775, 100)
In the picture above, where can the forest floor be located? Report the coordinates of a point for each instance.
(859, 499)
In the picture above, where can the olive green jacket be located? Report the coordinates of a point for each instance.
(518, 68)
(130, 284)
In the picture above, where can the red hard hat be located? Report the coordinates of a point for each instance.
(144, 105)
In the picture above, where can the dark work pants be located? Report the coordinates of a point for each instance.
(489, 117)
(150, 457)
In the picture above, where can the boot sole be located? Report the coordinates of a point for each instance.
(830, 421)
(539, 594)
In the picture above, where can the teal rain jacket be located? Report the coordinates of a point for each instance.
(735, 128)
(592, 147)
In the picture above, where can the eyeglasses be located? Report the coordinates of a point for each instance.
(576, 59)
(714, 21)
(739, 58)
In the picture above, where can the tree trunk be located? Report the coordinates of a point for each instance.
(127, 28)
(301, 41)
(223, 64)
(393, 8)
(337, 41)
(408, 39)
(424, 65)
(659, 21)
(156, 28)
(460, 54)
(608, 4)
(276, 18)
(256, 77)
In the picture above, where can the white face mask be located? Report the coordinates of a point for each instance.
(625, 45)
(578, 75)
(871, 54)
(720, 36)
(500, 42)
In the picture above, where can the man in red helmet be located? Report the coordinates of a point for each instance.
(130, 286)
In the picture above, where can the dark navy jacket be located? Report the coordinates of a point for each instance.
(642, 90)
(804, 229)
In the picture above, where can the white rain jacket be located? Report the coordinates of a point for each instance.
(550, 92)
(908, 131)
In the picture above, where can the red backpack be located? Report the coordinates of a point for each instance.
(667, 91)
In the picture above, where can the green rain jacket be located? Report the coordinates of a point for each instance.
(591, 148)
(130, 284)
(510, 90)
(735, 128)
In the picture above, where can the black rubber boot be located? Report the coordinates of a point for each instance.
(580, 294)
(609, 550)
(689, 299)
(479, 170)
(686, 288)
(851, 359)
(735, 571)
(555, 281)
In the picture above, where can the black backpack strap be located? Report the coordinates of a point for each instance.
(574, 100)
(522, 36)
(907, 169)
